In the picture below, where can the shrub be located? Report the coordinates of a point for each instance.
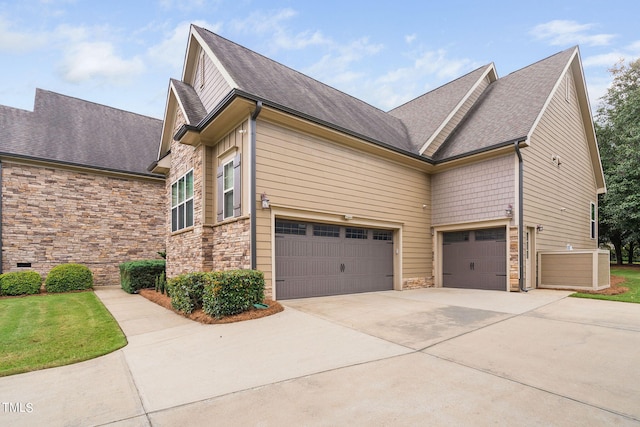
(232, 292)
(161, 283)
(136, 275)
(186, 291)
(69, 277)
(20, 283)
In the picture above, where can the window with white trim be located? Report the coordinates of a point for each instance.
(594, 221)
(182, 202)
(228, 179)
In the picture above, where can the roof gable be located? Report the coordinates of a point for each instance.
(428, 114)
(77, 132)
(290, 90)
(508, 109)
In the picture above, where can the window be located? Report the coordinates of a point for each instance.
(286, 227)
(202, 70)
(228, 190)
(321, 230)
(356, 233)
(228, 178)
(491, 234)
(594, 221)
(383, 235)
(182, 202)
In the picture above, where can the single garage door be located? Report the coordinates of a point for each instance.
(475, 259)
(323, 259)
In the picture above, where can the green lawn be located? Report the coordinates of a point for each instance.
(632, 276)
(43, 331)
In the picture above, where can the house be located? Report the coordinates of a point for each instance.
(485, 182)
(75, 187)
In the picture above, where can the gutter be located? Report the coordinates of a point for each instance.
(237, 93)
(252, 143)
(520, 217)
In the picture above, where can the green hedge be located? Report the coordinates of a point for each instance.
(186, 291)
(20, 283)
(232, 292)
(136, 275)
(69, 277)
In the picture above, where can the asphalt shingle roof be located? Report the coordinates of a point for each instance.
(424, 114)
(73, 131)
(281, 85)
(193, 107)
(508, 108)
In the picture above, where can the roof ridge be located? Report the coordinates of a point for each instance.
(84, 101)
(289, 68)
(443, 86)
(541, 60)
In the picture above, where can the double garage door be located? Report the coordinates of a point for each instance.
(475, 259)
(324, 259)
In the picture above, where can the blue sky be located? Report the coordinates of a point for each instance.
(122, 54)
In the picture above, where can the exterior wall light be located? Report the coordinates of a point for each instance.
(265, 201)
(509, 211)
(539, 228)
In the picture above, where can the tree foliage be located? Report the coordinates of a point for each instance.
(618, 131)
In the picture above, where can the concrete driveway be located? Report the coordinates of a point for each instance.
(421, 357)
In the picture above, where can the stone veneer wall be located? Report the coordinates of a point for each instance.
(53, 215)
(232, 245)
(417, 283)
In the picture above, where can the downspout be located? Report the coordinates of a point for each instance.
(520, 218)
(1, 217)
(252, 143)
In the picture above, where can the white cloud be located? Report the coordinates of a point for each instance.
(429, 69)
(86, 61)
(410, 38)
(563, 32)
(19, 42)
(603, 60)
(273, 26)
(170, 51)
(336, 66)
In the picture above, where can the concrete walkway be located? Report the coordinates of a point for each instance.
(422, 357)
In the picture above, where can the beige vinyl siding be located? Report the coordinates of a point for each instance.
(236, 142)
(587, 269)
(301, 171)
(457, 117)
(476, 192)
(215, 87)
(564, 269)
(558, 198)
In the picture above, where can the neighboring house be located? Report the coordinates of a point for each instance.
(75, 187)
(270, 169)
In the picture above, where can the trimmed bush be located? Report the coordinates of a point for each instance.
(69, 277)
(20, 283)
(136, 275)
(186, 291)
(232, 292)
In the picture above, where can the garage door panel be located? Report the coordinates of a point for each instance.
(475, 259)
(331, 260)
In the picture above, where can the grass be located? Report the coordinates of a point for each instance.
(43, 331)
(632, 281)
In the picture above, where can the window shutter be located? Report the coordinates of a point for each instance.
(220, 196)
(237, 193)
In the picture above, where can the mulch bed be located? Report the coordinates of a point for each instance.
(614, 289)
(200, 316)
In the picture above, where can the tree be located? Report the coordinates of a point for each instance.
(618, 132)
